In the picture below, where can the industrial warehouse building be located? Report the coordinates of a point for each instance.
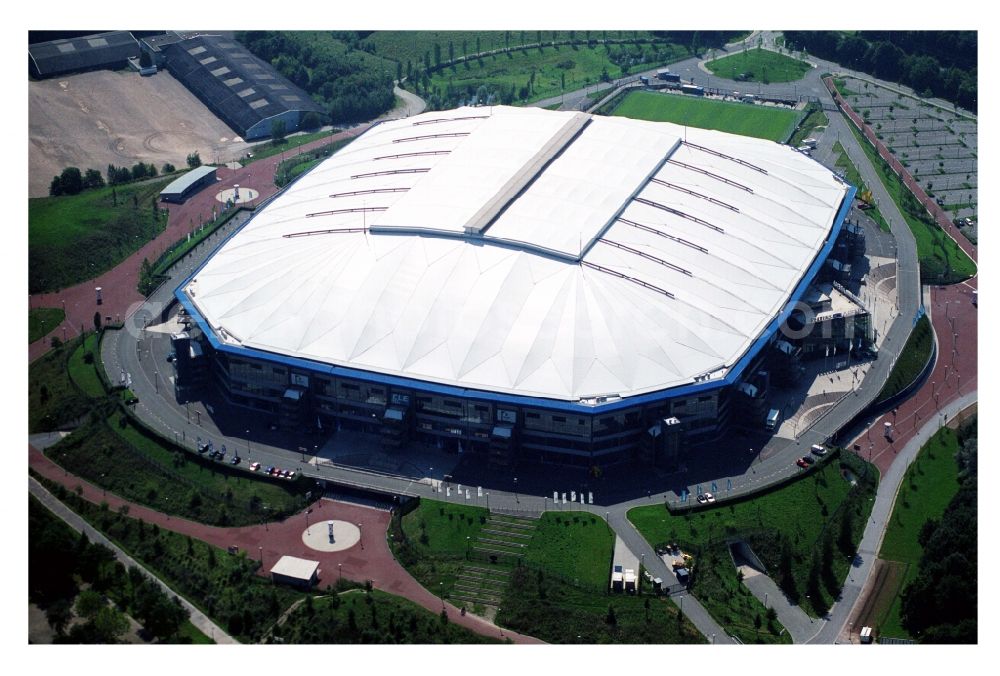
(523, 283)
(245, 92)
(76, 55)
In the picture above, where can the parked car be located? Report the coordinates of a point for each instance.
(709, 497)
(702, 499)
(254, 466)
(818, 450)
(171, 356)
(235, 461)
(801, 462)
(291, 474)
(269, 470)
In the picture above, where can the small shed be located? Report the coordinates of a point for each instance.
(295, 571)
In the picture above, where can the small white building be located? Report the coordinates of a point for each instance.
(295, 571)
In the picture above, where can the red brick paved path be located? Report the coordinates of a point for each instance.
(119, 284)
(953, 374)
(368, 560)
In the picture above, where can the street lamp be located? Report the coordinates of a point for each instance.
(248, 445)
(340, 570)
(516, 499)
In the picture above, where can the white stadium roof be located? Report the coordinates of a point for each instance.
(529, 252)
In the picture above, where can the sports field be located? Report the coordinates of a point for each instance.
(759, 65)
(775, 124)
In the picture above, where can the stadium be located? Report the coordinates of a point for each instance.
(519, 283)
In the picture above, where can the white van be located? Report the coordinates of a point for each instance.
(818, 450)
(810, 142)
(773, 418)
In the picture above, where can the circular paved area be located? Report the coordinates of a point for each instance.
(229, 195)
(317, 536)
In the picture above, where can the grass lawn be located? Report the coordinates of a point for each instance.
(816, 118)
(557, 612)
(852, 176)
(268, 149)
(930, 484)
(545, 68)
(188, 633)
(356, 616)
(737, 118)
(84, 373)
(53, 400)
(841, 85)
(796, 514)
(576, 545)
(436, 535)
(560, 593)
(911, 360)
(42, 321)
(759, 65)
(138, 467)
(76, 237)
(941, 259)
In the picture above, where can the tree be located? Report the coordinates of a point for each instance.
(194, 160)
(845, 537)
(167, 168)
(88, 603)
(611, 619)
(69, 182)
(92, 179)
(311, 120)
(277, 131)
(437, 54)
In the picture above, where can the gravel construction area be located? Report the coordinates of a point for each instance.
(91, 120)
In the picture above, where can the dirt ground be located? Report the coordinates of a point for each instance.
(105, 117)
(887, 576)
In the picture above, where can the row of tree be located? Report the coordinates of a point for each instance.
(68, 575)
(933, 63)
(941, 604)
(72, 181)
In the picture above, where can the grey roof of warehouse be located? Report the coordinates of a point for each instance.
(242, 89)
(75, 54)
(179, 185)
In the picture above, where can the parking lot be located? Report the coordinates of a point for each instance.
(937, 146)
